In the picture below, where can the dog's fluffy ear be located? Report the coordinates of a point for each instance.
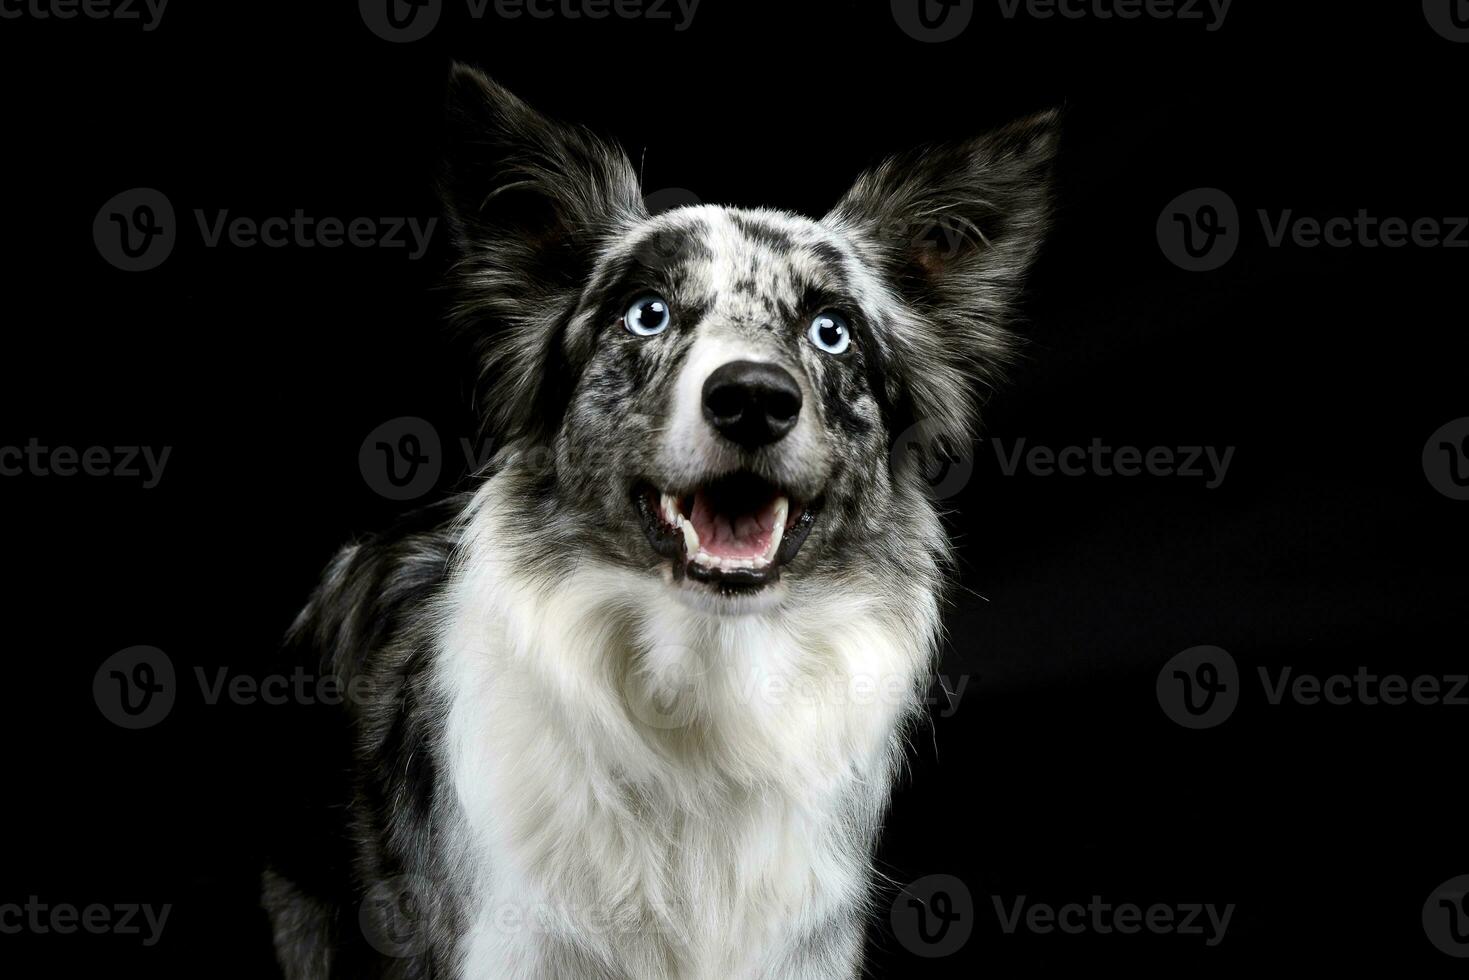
(529, 202)
(953, 229)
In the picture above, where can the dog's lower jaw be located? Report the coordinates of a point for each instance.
(717, 843)
(703, 599)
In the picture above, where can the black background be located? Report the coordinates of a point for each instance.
(1058, 777)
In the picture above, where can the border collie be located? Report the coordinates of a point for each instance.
(635, 704)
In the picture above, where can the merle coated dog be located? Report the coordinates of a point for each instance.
(636, 703)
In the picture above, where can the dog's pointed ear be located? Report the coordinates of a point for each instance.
(529, 202)
(953, 230)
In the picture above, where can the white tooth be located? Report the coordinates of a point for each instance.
(782, 510)
(670, 510)
(690, 537)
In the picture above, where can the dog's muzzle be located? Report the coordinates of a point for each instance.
(736, 532)
(735, 528)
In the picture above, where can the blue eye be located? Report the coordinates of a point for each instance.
(830, 332)
(648, 315)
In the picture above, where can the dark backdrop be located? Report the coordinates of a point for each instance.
(1058, 775)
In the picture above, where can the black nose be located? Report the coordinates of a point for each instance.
(752, 404)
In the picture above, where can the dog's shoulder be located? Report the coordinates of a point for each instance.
(378, 588)
(367, 626)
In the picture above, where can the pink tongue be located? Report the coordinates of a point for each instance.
(732, 535)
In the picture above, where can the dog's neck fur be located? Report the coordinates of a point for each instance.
(696, 795)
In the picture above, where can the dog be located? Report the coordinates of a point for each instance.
(635, 704)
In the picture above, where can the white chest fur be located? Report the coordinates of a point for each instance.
(652, 791)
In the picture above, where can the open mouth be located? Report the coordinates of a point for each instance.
(735, 532)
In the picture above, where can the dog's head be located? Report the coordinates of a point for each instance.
(711, 392)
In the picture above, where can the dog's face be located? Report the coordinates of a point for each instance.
(714, 392)
(731, 385)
